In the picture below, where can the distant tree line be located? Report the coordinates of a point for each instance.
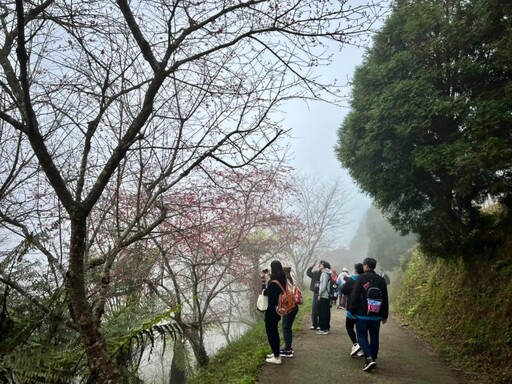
(377, 238)
(386, 245)
(429, 134)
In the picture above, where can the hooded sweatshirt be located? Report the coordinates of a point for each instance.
(325, 280)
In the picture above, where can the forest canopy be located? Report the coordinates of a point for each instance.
(429, 133)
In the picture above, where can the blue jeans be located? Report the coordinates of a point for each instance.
(371, 328)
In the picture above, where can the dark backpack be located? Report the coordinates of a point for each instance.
(332, 290)
(332, 287)
(373, 297)
(286, 301)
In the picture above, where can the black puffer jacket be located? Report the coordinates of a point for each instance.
(358, 305)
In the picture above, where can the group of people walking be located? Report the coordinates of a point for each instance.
(363, 294)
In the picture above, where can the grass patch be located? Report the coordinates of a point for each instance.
(240, 361)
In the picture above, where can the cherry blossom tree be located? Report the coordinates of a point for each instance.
(203, 267)
(104, 100)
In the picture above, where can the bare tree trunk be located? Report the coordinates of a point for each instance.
(178, 370)
(102, 367)
(198, 348)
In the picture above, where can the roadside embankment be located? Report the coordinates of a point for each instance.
(464, 309)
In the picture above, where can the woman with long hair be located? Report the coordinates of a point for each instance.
(272, 290)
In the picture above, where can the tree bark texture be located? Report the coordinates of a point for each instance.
(102, 367)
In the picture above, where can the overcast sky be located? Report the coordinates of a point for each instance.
(314, 137)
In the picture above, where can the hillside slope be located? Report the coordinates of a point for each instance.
(464, 309)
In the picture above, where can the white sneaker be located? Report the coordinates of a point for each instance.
(274, 360)
(270, 355)
(360, 353)
(356, 348)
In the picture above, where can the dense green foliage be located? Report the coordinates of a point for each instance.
(464, 310)
(429, 135)
(41, 347)
(386, 245)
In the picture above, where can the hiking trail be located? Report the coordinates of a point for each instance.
(403, 358)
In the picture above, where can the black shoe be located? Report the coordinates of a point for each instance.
(369, 364)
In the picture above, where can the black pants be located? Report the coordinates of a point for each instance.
(314, 311)
(271, 324)
(324, 314)
(349, 326)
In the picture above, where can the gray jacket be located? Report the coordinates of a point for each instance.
(325, 280)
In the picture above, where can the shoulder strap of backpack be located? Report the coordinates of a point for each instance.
(372, 282)
(280, 285)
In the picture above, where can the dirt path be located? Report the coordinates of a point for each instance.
(403, 358)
